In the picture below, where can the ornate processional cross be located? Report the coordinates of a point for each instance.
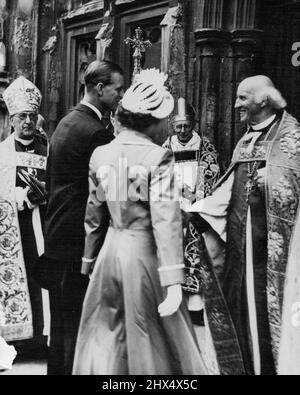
(139, 47)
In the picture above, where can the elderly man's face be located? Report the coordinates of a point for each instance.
(24, 125)
(184, 130)
(246, 104)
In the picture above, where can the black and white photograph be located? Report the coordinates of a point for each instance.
(149, 190)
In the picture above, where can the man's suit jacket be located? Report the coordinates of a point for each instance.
(71, 147)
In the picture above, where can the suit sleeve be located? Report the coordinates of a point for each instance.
(97, 218)
(99, 138)
(167, 222)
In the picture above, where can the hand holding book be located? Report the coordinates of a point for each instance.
(37, 194)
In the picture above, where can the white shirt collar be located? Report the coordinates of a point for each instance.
(24, 142)
(264, 124)
(92, 107)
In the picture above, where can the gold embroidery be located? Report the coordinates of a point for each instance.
(258, 153)
(25, 159)
(16, 314)
(290, 144)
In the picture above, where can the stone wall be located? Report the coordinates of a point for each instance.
(209, 46)
(224, 47)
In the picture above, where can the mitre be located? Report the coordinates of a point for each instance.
(22, 96)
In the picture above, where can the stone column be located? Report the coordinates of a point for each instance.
(173, 53)
(51, 57)
(23, 38)
(211, 48)
(211, 42)
(246, 50)
(227, 44)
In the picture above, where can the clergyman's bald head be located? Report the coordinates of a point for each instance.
(257, 83)
(263, 88)
(257, 98)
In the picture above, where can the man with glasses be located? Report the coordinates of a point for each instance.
(23, 158)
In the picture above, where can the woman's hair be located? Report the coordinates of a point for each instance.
(138, 122)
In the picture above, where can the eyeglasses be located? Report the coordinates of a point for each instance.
(180, 127)
(24, 116)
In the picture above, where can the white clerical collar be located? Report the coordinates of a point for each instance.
(92, 107)
(195, 140)
(24, 142)
(264, 124)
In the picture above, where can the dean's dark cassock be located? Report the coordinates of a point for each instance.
(71, 147)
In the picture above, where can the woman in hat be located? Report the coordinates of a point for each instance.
(134, 321)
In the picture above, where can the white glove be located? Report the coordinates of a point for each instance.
(173, 301)
(21, 197)
(7, 355)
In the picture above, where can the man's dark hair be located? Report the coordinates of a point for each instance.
(101, 72)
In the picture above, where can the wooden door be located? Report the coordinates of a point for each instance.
(148, 18)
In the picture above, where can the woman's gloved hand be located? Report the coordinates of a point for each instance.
(173, 301)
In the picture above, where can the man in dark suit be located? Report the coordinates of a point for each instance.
(76, 137)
